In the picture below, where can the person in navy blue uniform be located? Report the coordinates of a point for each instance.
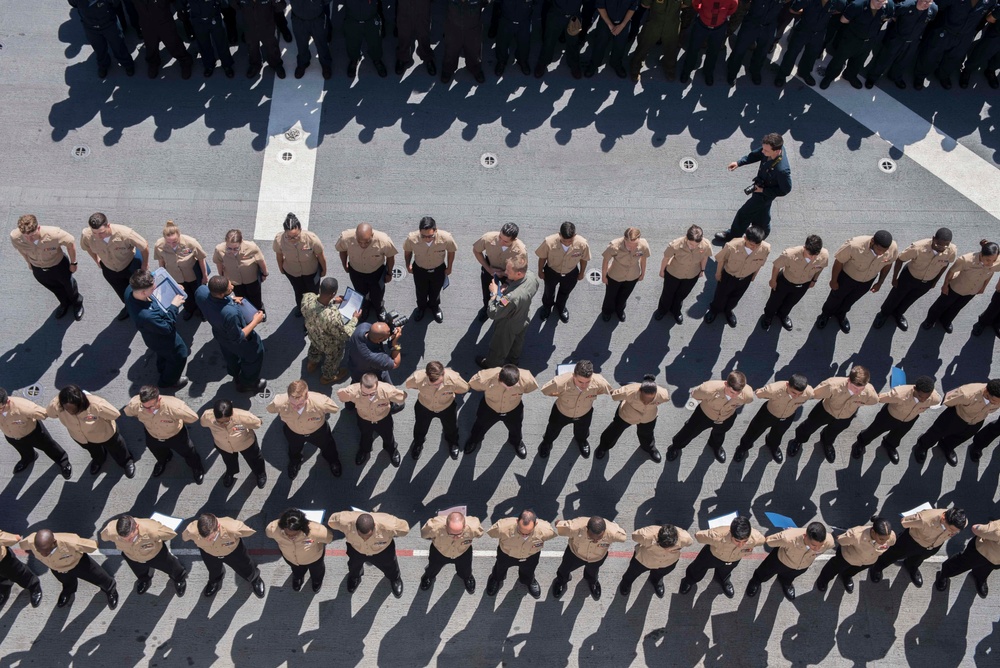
(554, 25)
(710, 27)
(413, 24)
(863, 20)
(985, 54)
(158, 328)
(100, 25)
(209, 33)
(774, 179)
(949, 41)
(309, 19)
(808, 36)
(514, 28)
(612, 33)
(259, 22)
(362, 22)
(463, 36)
(759, 27)
(909, 18)
(241, 346)
(156, 18)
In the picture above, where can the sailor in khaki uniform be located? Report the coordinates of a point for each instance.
(437, 387)
(492, 250)
(590, 538)
(90, 421)
(142, 543)
(300, 257)
(451, 539)
(243, 263)
(840, 398)
(368, 256)
(575, 393)
(42, 248)
(220, 540)
(792, 275)
(21, 424)
(856, 265)
(657, 550)
(166, 420)
(683, 264)
(981, 556)
(915, 272)
(503, 389)
(968, 406)
(562, 261)
(303, 546)
(724, 548)
(720, 401)
(184, 259)
(304, 420)
(736, 267)
(793, 552)
(371, 539)
(67, 555)
(775, 416)
(639, 404)
(967, 278)
(373, 403)
(857, 549)
(12, 570)
(903, 405)
(113, 248)
(624, 266)
(924, 533)
(429, 254)
(520, 542)
(234, 432)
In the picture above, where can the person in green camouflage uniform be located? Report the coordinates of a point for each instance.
(328, 335)
(663, 22)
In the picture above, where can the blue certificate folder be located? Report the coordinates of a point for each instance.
(166, 288)
(247, 309)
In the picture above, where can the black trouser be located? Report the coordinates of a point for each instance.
(946, 307)
(772, 566)
(728, 292)
(13, 569)
(570, 562)
(850, 50)
(884, 423)
(317, 569)
(893, 57)
(784, 297)
(699, 422)
(949, 431)
(118, 280)
(103, 40)
(603, 41)
(114, 446)
(564, 282)
(616, 295)
(39, 439)
(907, 550)
(518, 34)
(302, 285)
(212, 43)
(706, 560)
(755, 212)
(525, 567)
(59, 281)
(906, 291)
(260, 30)
(239, 560)
(635, 569)
(251, 456)
(810, 44)
(87, 570)
(750, 34)
(428, 284)
(180, 443)
(848, 292)
(943, 51)
(463, 35)
(581, 426)
(385, 561)
(762, 421)
(701, 33)
(170, 366)
(164, 561)
(190, 305)
(553, 26)
(838, 566)
(618, 426)
(675, 291)
(371, 287)
(316, 28)
(156, 29)
(251, 292)
(991, 316)
(370, 429)
(969, 560)
(322, 438)
(985, 55)
(486, 417)
(367, 30)
(985, 436)
(819, 417)
(413, 24)
(436, 561)
(422, 417)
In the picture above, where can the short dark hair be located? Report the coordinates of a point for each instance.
(584, 369)
(956, 517)
(596, 525)
(124, 525)
(141, 280)
(798, 382)
(567, 230)
(666, 536)
(218, 286)
(882, 238)
(943, 234)
(993, 387)
(97, 221)
(207, 523)
(773, 139)
(694, 233)
(365, 523)
(427, 223)
(924, 384)
(73, 395)
(3, 396)
(234, 236)
(222, 408)
(510, 230)
(881, 525)
(740, 528)
(509, 375)
(813, 244)
(988, 248)
(859, 375)
(754, 234)
(291, 222)
(736, 380)
(329, 286)
(816, 531)
(294, 519)
(148, 393)
(648, 385)
(434, 370)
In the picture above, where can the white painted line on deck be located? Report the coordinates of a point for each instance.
(286, 181)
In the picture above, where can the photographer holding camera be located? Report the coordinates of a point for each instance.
(374, 348)
(774, 179)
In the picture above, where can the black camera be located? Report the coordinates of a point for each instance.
(394, 319)
(749, 189)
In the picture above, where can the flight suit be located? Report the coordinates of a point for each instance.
(663, 24)
(509, 312)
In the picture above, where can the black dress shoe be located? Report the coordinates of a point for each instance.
(940, 582)
(471, 446)
(521, 450)
(229, 72)
(261, 480)
(777, 455)
(920, 454)
(544, 313)
(977, 329)
(4, 594)
(789, 591)
(893, 454)
(228, 480)
(808, 78)
(849, 585)
(187, 314)
(869, 84)
(739, 455)
(300, 71)
(415, 451)
(425, 583)
(916, 578)
(525, 69)
(600, 453)
(453, 450)
(65, 598)
(62, 310)
(180, 586)
(362, 457)
(709, 317)
(595, 590)
(658, 588)
(297, 583)
(875, 576)
(927, 324)
(419, 315)
(481, 362)
(821, 321)
(857, 451)
(975, 454)
(794, 447)
(500, 67)
(830, 453)
(142, 586)
(479, 77)
(492, 587)
(621, 317)
(258, 587)
(483, 316)
(685, 586)
(821, 586)
(845, 325)
(948, 328)
(606, 317)
(78, 311)
(212, 588)
(879, 321)
(316, 585)
(397, 588)
(753, 587)
(727, 589)
(731, 319)
(199, 477)
(352, 584)
(720, 455)
(951, 458)
(779, 81)
(564, 316)
(36, 597)
(438, 316)
(902, 323)
(293, 469)
(584, 449)
(446, 78)
(430, 67)
(657, 315)
(66, 471)
(765, 323)
(558, 588)
(95, 467)
(130, 469)
(654, 454)
(982, 589)
(534, 589)
(543, 450)
(624, 588)
(855, 82)
(112, 597)
(672, 453)
(470, 584)
(122, 315)
(394, 458)
(24, 463)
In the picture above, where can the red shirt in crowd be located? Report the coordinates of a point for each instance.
(713, 13)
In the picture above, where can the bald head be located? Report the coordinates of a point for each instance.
(45, 541)
(456, 523)
(363, 234)
(378, 333)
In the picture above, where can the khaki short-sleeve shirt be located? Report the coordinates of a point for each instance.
(860, 261)
(722, 546)
(237, 435)
(299, 257)
(366, 260)
(303, 549)
(625, 265)
(310, 418)
(19, 417)
(436, 398)
(560, 258)
(632, 410)
(70, 549)
(925, 263)
(649, 553)
(580, 544)
(970, 274)
(167, 421)
(95, 424)
(684, 263)
(378, 405)
(970, 402)
(839, 401)
(118, 250)
(241, 267)
(904, 404)
(514, 544)
(496, 253)
(387, 528)
(792, 549)
(498, 396)
(230, 532)
(738, 260)
(432, 255)
(452, 547)
(48, 252)
(715, 404)
(147, 544)
(858, 548)
(180, 260)
(570, 400)
(780, 403)
(798, 268)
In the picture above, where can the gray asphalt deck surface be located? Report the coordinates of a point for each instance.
(595, 152)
